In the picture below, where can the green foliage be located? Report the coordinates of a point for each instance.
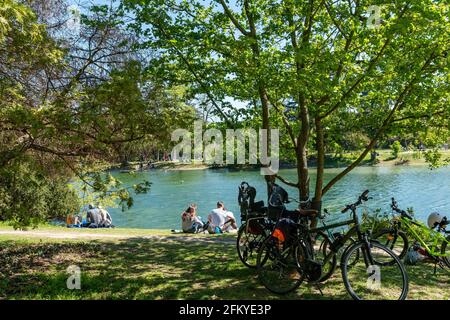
(435, 158)
(69, 105)
(28, 197)
(317, 58)
(396, 147)
(96, 185)
(376, 221)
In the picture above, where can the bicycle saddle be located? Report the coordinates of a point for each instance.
(307, 212)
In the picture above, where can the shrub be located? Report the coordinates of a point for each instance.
(396, 147)
(28, 197)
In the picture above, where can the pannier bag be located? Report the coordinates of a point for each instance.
(284, 231)
(254, 227)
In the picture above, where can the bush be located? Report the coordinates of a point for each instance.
(396, 147)
(28, 197)
(376, 221)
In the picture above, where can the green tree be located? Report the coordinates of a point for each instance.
(310, 66)
(28, 196)
(70, 105)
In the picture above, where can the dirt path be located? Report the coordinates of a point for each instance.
(102, 236)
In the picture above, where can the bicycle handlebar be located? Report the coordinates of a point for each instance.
(361, 198)
(403, 213)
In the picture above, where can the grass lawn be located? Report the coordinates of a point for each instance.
(139, 266)
(413, 158)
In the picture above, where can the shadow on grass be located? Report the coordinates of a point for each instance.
(147, 269)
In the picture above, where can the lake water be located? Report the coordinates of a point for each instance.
(413, 186)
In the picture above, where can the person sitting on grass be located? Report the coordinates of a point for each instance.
(106, 220)
(93, 217)
(220, 220)
(190, 222)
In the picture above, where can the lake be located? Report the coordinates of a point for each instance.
(413, 186)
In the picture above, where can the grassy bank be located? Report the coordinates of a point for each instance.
(152, 264)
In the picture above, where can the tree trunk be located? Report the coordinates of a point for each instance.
(320, 146)
(302, 159)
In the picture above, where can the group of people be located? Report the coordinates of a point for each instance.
(96, 217)
(219, 220)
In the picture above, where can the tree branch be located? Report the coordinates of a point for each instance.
(372, 65)
(292, 184)
(196, 76)
(233, 19)
(422, 116)
(387, 121)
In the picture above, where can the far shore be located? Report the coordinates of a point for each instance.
(406, 158)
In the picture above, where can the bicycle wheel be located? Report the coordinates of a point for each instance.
(396, 241)
(247, 246)
(377, 281)
(323, 251)
(355, 257)
(445, 249)
(277, 267)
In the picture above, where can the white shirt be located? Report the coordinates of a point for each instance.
(218, 217)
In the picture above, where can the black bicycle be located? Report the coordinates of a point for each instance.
(365, 271)
(256, 225)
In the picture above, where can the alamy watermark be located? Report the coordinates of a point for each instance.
(374, 19)
(74, 280)
(374, 279)
(74, 21)
(208, 147)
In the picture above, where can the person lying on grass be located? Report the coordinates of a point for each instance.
(221, 220)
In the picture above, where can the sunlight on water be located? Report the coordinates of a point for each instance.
(418, 187)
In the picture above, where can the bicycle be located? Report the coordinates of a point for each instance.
(256, 225)
(250, 236)
(396, 237)
(335, 239)
(258, 221)
(293, 260)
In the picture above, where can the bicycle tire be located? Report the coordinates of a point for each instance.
(270, 259)
(361, 247)
(444, 246)
(323, 249)
(244, 255)
(401, 249)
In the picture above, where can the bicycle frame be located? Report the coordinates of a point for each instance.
(353, 230)
(437, 237)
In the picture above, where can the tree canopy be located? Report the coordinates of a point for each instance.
(72, 100)
(318, 69)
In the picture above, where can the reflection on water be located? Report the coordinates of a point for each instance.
(418, 187)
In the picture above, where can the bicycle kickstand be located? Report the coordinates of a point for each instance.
(317, 285)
